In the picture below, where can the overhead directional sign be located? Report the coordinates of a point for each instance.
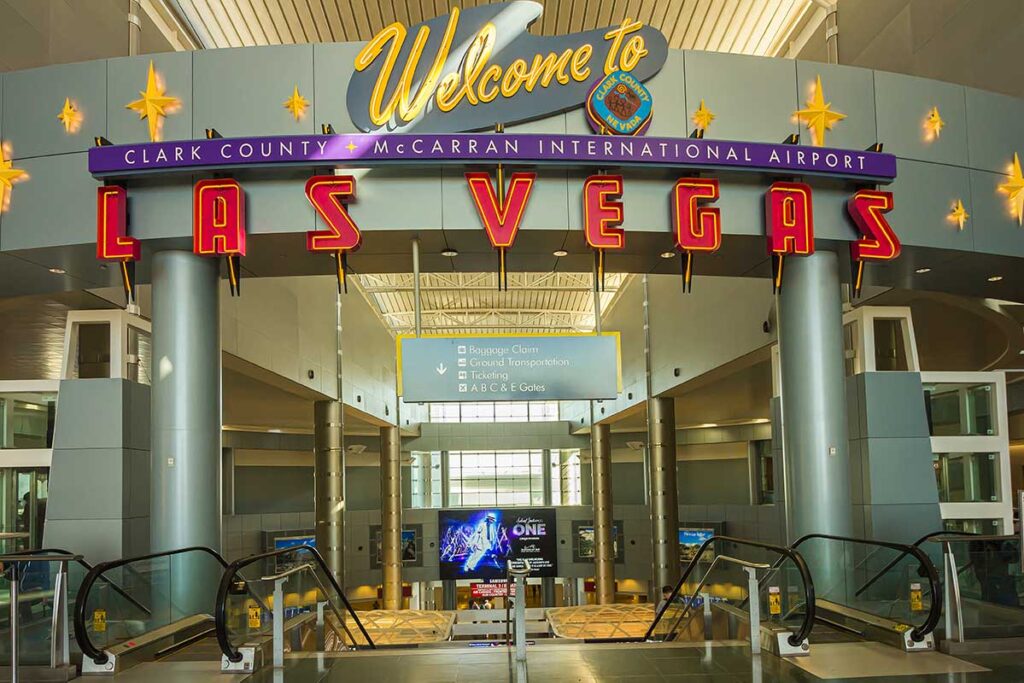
(499, 368)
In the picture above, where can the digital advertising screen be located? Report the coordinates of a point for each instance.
(477, 544)
(690, 541)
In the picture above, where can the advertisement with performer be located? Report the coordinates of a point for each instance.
(477, 544)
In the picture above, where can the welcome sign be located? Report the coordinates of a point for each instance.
(473, 69)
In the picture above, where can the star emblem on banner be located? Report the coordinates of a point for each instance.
(8, 176)
(154, 104)
(934, 124)
(818, 115)
(703, 117)
(70, 117)
(296, 104)
(1013, 188)
(959, 214)
(351, 147)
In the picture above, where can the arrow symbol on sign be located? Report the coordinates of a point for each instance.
(441, 368)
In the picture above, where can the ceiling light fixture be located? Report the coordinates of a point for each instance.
(706, 425)
(451, 253)
(58, 271)
(995, 278)
(559, 253)
(668, 254)
(922, 271)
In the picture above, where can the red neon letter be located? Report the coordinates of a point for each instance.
(698, 228)
(501, 222)
(328, 194)
(790, 218)
(878, 241)
(602, 214)
(112, 241)
(218, 217)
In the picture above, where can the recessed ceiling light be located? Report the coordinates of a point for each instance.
(559, 253)
(922, 271)
(58, 271)
(668, 254)
(450, 252)
(995, 278)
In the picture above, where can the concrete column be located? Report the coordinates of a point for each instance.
(391, 515)
(185, 481)
(815, 434)
(604, 543)
(661, 427)
(329, 485)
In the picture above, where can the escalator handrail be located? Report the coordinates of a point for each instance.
(916, 544)
(794, 639)
(87, 566)
(918, 633)
(221, 609)
(81, 601)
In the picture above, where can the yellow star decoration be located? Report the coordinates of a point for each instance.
(296, 104)
(959, 214)
(154, 104)
(933, 124)
(818, 115)
(1013, 188)
(70, 117)
(8, 176)
(703, 117)
(351, 147)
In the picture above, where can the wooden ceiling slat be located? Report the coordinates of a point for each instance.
(284, 31)
(326, 31)
(700, 42)
(744, 28)
(778, 19)
(294, 23)
(226, 14)
(726, 20)
(262, 22)
(305, 15)
(604, 14)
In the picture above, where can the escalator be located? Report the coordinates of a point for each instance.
(283, 601)
(147, 608)
(821, 589)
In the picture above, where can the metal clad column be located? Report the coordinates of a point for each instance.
(391, 515)
(185, 486)
(604, 544)
(815, 433)
(661, 425)
(329, 485)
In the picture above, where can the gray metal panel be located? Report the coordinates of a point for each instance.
(894, 405)
(924, 196)
(241, 92)
(851, 91)
(894, 470)
(86, 483)
(753, 98)
(544, 210)
(36, 219)
(394, 199)
(90, 414)
(997, 231)
(278, 204)
(34, 97)
(994, 129)
(903, 103)
(126, 78)
(332, 70)
(160, 208)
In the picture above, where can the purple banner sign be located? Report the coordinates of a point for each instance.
(362, 150)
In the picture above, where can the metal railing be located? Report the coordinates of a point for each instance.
(898, 558)
(228, 585)
(60, 647)
(96, 573)
(795, 639)
(917, 633)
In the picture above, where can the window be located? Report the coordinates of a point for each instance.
(565, 477)
(425, 475)
(496, 411)
(890, 347)
(480, 478)
(850, 348)
(967, 477)
(974, 526)
(765, 461)
(960, 409)
(26, 420)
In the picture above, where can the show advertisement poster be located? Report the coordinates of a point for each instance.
(477, 544)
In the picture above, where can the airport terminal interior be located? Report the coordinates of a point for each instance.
(561, 340)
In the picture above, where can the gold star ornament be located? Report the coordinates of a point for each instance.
(703, 117)
(933, 124)
(818, 115)
(154, 104)
(296, 104)
(1013, 188)
(70, 117)
(959, 214)
(8, 176)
